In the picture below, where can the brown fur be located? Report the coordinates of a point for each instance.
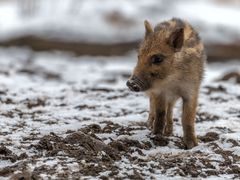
(179, 75)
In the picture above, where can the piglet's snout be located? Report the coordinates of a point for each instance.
(132, 85)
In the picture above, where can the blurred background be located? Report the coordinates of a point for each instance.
(110, 28)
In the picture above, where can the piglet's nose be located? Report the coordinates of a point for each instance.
(129, 83)
(132, 86)
(136, 88)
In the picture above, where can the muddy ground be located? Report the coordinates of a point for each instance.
(59, 120)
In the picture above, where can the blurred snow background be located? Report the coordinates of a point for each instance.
(115, 21)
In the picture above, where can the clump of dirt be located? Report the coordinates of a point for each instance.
(230, 160)
(185, 164)
(178, 141)
(95, 128)
(25, 175)
(122, 95)
(110, 127)
(219, 99)
(31, 103)
(219, 88)
(233, 142)
(232, 75)
(100, 90)
(126, 145)
(49, 170)
(92, 128)
(6, 100)
(92, 155)
(204, 116)
(84, 106)
(6, 154)
(9, 170)
(223, 129)
(159, 140)
(9, 114)
(210, 136)
(78, 145)
(38, 71)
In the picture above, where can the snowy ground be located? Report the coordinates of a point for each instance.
(64, 117)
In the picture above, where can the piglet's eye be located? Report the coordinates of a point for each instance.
(157, 59)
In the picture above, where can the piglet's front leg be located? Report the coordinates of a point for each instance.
(159, 116)
(159, 122)
(188, 122)
(151, 115)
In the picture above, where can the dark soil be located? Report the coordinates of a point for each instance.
(232, 75)
(210, 136)
(216, 52)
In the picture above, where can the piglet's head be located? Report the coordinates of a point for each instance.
(155, 56)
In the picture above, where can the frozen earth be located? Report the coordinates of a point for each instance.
(65, 117)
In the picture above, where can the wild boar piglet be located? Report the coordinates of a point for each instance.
(170, 66)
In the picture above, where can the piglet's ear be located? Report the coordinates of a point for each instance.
(148, 28)
(176, 39)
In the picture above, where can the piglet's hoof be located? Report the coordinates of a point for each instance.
(159, 140)
(190, 143)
